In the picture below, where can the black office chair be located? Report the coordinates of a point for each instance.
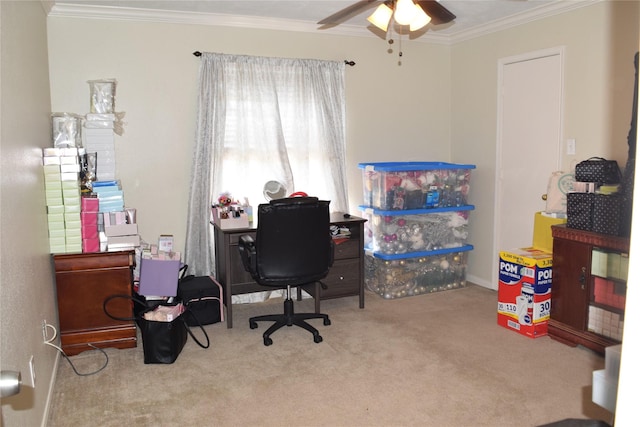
(293, 247)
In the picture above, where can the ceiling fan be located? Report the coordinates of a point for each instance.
(438, 13)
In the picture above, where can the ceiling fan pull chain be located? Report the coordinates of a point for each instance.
(399, 49)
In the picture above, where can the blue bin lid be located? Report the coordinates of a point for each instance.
(423, 211)
(411, 166)
(389, 257)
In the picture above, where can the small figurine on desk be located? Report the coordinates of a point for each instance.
(224, 201)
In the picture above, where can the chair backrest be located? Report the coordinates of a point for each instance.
(293, 241)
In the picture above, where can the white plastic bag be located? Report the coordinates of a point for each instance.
(560, 183)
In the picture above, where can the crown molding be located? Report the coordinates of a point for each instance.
(47, 5)
(556, 8)
(67, 10)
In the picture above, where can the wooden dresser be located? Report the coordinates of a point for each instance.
(346, 277)
(579, 291)
(83, 282)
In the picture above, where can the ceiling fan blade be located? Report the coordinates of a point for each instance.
(438, 13)
(348, 12)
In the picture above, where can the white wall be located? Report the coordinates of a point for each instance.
(600, 42)
(439, 105)
(27, 291)
(394, 113)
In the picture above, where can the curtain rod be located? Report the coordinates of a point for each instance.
(351, 63)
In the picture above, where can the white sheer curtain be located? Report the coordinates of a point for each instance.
(262, 119)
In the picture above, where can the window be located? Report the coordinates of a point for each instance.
(264, 119)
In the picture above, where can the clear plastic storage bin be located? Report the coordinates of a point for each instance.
(406, 231)
(415, 185)
(396, 276)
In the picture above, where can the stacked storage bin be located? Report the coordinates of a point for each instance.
(416, 230)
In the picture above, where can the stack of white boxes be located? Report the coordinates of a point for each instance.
(95, 222)
(605, 381)
(120, 235)
(102, 142)
(98, 135)
(62, 188)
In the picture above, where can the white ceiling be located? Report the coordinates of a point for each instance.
(473, 16)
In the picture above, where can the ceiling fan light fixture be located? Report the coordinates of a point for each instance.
(381, 17)
(420, 20)
(405, 12)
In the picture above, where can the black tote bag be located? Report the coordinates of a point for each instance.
(162, 342)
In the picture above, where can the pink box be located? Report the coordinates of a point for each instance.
(90, 245)
(89, 204)
(90, 231)
(604, 292)
(89, 217)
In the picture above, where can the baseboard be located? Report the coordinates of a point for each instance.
(52, 383)
(481, 282)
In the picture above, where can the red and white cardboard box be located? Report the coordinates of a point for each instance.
(524, 291)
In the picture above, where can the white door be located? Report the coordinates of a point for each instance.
(529, 143)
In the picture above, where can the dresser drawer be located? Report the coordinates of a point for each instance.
(92, 261)
(343, 279)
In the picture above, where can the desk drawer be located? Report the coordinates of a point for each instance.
(343, 279)
(347, 249)
(235, 238)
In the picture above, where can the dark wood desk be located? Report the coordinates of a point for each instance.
(346, 277)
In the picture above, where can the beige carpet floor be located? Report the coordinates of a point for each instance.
(432, 360)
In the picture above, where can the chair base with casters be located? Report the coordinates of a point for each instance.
(292, 248)
(289, 318)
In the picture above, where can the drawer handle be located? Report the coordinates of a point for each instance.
(341, 277)
(583, 278)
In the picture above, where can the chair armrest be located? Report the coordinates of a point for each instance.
(247, 248)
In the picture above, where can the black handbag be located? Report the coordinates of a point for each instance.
(598, 170)
(202, 296)
(162, 342)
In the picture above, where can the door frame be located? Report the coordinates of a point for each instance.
(502, 63)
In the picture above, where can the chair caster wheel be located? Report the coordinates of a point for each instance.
(253, 325)
(326, 322)
(268, 341)
(317, 339)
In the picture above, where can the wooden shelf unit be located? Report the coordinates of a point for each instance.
(572, 290)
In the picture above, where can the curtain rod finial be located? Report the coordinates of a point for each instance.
(352, 63)
(197, 53)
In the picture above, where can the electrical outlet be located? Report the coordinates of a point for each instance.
(571, 146)
(32, 371)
